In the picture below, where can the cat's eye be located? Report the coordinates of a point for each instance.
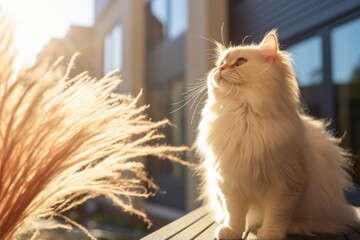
(240, 61)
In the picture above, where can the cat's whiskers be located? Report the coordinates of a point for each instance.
(190, 93)
(237, 92)
(239, 79)
(187, 100)
(232, 86)
(200, 83)
(233, 78)
(197, 105)
(193, 93)
(201, 90)
(243, 41)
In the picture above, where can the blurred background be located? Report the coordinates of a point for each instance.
(163, 46)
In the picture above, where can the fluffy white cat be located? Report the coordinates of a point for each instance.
(266, 165)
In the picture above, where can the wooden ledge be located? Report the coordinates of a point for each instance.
(200, 225)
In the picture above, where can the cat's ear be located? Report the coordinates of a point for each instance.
(269, 45)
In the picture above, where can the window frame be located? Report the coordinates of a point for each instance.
(111, 60)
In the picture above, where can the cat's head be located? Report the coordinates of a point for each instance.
(257, 71)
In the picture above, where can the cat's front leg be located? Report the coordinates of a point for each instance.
(278, 214)
(234, 223)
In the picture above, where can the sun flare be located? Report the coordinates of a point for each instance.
(37, 21)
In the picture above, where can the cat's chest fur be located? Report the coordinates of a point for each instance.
(241, 142)
(230, 128)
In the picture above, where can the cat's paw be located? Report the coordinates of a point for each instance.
(227, 233)
(253, 228)
(270, 234)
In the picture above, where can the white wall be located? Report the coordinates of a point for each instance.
(131, 15)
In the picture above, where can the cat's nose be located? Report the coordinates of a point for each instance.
(220, 69)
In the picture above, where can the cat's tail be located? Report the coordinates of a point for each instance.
(324, 207)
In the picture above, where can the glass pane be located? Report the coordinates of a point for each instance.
(345, 49)
(113, 49)
(156, 96)
(160, 11)
(178, 116)
(172, 14)
(346, 76)
(178, 119)
(169, 176)
(178, 18)
(307, 56)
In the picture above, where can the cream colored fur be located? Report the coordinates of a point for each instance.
(267, 166)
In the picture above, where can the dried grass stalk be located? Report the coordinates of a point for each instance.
(64, 141)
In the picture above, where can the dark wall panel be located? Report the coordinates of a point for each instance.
(166, 61)
(291, 17)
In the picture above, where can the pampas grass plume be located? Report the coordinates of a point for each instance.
(64, 141)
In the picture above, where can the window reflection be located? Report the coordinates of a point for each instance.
(346, 76)
(159, 10)
(166, 22)
(113, 49)
(162, 99)
(172, 14)
(178, 119)
(170, 177)
(178, 18)
(345, 50)
(307, 55)
(308, 61)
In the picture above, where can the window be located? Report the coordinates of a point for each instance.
(172, 14)
(345, 70)
(308, 61)
(113, 49)
(178, 18)
(161, 100)
(345, 40)
(169, 176)
(178, 119)
(307, 56)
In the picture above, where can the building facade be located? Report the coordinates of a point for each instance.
(158, 45)
(119, 41)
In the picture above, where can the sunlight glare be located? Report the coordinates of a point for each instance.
(38, 21)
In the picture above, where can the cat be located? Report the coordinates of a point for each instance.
(267, 166)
